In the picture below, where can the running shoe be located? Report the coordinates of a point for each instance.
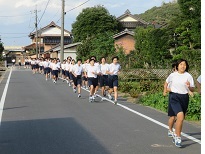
(79, 95)
(170, 133)
(93, 97)
(109, 96)
(90, 99)
(74, 90)
(178, 142)
(115, 101)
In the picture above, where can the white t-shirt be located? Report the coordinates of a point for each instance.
(46, 64)
(78, 69)
(199, 79)
(104, 68)
(177, 82)
(114, 68)
(71, 68)
(90, 69)
(55, 66)
(63, 66)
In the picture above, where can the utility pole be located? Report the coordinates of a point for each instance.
(62, 31)
(36, 25)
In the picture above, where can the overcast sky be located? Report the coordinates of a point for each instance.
(17, 17)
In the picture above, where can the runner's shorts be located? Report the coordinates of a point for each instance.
(77, 80)
(177, 103)
(55, 72)
(93, 81)
(112, 81)
(103, 80)
(63, 72)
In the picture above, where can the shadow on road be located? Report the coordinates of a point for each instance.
(48, 136)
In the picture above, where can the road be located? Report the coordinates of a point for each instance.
(40, 117)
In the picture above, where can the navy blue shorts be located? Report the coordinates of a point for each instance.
(37, 66)
(63, 72)
(112, 81)
(33, 67)
(46, 70)
(71, 76)
(77, 80)
(85, 78)
(93, 81)
(41, 67)
(55, 73)
(67, 74)
(177, 103)
(103, 80)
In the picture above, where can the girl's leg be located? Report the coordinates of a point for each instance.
(171, 122)
(179, 123)
(115, 93)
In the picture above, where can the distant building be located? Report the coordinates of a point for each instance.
(14, 52)
(48, 37)
(125, 39)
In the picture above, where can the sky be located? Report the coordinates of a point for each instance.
(17, 20)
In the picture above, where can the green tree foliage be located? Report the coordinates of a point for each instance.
(100, 45)
(1, 49)
(190, 28)
(151, 45)
(92, 21)
(161, 15)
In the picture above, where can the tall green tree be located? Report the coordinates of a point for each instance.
(190, 28)
(100, 45)
(92, 21)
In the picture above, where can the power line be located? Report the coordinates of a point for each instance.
(44, 12)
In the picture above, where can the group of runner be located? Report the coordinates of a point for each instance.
(89, 74)
(92, 74)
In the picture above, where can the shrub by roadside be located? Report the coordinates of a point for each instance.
(160, 102)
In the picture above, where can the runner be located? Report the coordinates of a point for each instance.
(198, 84)
(19, 63)
(92, 72)
(55, 68)
(67, 69)
(114, 69)
(63, 67)
(71, 74)
(77, 76)
(104, 68)
(180, 84)
(41, 66)
(46, 68)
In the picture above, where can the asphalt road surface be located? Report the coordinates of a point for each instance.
(40, 117)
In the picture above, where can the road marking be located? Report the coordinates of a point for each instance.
(3, 97)
(146, 117)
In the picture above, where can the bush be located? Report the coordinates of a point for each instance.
(160, 102)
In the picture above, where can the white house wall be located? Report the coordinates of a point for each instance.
(53, 31)
(128, 19)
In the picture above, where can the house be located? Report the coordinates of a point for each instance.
(125, 39)
(69, 50)
(48, 37)
(14, 52)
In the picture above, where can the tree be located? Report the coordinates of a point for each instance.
(190, 28)
(92, 21)
(1, 49)
(100, 45)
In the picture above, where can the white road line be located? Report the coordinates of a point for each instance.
(3, 97)
(148, 118)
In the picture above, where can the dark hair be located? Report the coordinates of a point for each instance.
(102, 58)
(115, 57)
(79, 60)
(91, 59)
(181, 60)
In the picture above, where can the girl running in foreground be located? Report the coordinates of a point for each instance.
(180, 83)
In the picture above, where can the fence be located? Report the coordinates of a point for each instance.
(149, 74)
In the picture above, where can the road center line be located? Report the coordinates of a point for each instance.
(3, 97)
